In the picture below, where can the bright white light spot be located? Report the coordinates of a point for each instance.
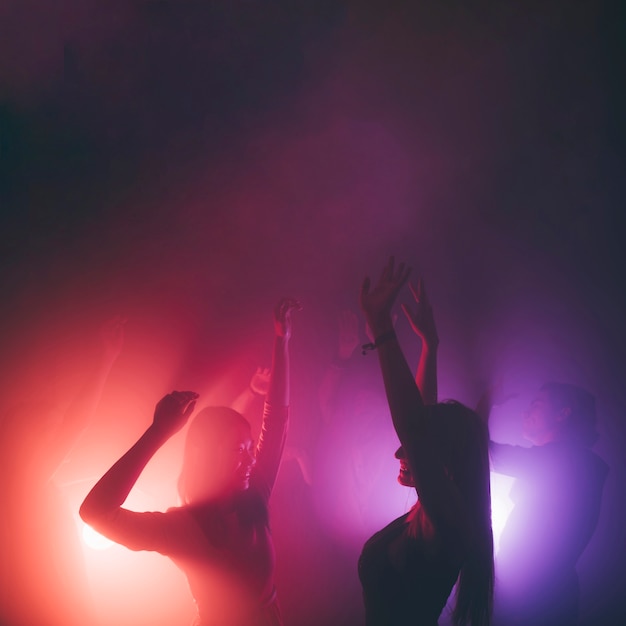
(94, 539)
(501, 505)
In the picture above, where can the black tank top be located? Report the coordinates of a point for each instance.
(406, 580)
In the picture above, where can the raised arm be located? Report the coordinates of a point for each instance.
(109, 493)
(404, 398)
(422, 322)
(438, 495)
(278, 391)
(275, 413)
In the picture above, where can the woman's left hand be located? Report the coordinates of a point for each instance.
(377, 302)
(282, 316)
(173, 411)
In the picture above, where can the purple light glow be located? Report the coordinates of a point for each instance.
(185, 164)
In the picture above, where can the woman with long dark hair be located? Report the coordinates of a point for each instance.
(220, 535)
(409, 568)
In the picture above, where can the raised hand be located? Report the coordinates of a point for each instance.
(376, 303)
(282, 316)
(173, 411)
(260, 381)
(421, 316)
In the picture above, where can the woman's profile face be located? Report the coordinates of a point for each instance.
(227, 465)
(238, 457)
(405, 477)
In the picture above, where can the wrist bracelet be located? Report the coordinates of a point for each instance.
(383, 338)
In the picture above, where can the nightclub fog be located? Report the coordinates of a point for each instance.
(183, 164)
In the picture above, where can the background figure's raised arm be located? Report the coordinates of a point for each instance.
(422, 322)
(257, 387)
(275, 414)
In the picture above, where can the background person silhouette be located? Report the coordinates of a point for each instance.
(557, 497)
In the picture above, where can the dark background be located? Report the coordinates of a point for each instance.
(185, 163)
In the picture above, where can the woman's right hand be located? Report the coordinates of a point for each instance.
(376, 302)
(173, 411)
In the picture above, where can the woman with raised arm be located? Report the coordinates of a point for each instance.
(219, 537)
(409, 568)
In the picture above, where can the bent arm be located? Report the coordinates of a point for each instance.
(102, 508)
(108, 495)
(110, 492)
(510, 460)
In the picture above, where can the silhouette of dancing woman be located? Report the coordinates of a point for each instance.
(409, 568)
(219, 537)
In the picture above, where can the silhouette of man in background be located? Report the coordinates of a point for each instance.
(557, 496)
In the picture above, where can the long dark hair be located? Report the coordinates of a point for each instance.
(468, 462)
